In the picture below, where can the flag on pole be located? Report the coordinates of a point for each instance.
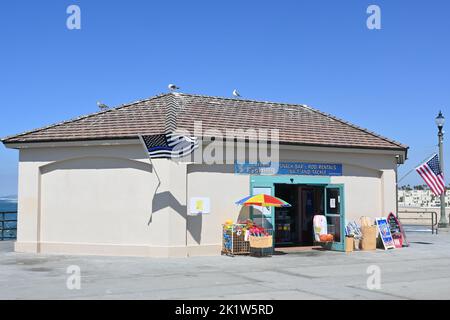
(431, 173)
(169, 145)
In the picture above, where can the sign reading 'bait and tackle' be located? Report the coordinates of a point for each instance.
(289, 168)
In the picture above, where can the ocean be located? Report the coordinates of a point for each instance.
(8, 204)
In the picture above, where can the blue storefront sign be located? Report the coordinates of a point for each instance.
(289, 168)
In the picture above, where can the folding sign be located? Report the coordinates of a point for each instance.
(385, 233)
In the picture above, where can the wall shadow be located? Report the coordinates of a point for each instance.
(194, 227)
(215, 168)
(165, 200)
(96, 163)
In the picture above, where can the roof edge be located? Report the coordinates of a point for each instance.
(50, 141)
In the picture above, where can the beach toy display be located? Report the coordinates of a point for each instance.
(234, 239)
(238, 237)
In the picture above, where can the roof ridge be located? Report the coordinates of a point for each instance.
(121, 106)
(242, 100)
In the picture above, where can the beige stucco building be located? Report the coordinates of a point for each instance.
(87, 186)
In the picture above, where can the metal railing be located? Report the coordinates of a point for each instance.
(8, 225)
(422, 217)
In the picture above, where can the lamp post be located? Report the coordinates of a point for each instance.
(440, 120)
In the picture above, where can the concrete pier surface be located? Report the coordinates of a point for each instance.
(421, 271)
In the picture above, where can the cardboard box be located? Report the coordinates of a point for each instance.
(369, 238)
(349, 244)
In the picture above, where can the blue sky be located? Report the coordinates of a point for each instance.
(392, 81)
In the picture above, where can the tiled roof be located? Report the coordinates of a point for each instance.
(298, 124)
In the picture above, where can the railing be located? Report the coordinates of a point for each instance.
(8, 225)
(422, 217)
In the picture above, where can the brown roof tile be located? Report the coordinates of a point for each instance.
(298, 124)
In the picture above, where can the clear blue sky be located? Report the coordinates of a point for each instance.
(392, 81)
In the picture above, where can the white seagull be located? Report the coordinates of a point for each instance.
(102, 106)
(173, 87)
(236, 93)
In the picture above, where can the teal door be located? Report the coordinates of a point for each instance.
(334, 212)
(266, 184)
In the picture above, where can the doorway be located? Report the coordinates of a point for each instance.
(294, 225)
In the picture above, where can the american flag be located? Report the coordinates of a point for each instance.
(430, 171)
(169, 145)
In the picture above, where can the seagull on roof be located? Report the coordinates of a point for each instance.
(236, 93)
(102, 106)
(173, 87)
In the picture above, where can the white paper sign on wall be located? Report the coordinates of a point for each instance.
(199, 205)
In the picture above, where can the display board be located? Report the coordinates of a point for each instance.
(385, 233)
(396, 227)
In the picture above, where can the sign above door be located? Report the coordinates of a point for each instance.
(289, 168)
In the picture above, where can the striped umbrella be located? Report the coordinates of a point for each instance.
(263, 200)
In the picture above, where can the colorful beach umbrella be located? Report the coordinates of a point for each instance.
(263, 200)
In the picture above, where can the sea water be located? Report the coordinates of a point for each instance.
(8, 205)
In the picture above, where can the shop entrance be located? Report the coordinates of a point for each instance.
(294, 225)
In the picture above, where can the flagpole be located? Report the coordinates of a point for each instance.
(443, 221)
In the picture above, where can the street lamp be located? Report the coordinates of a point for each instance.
(440, 120)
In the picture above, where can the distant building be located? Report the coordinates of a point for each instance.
(423, 198)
